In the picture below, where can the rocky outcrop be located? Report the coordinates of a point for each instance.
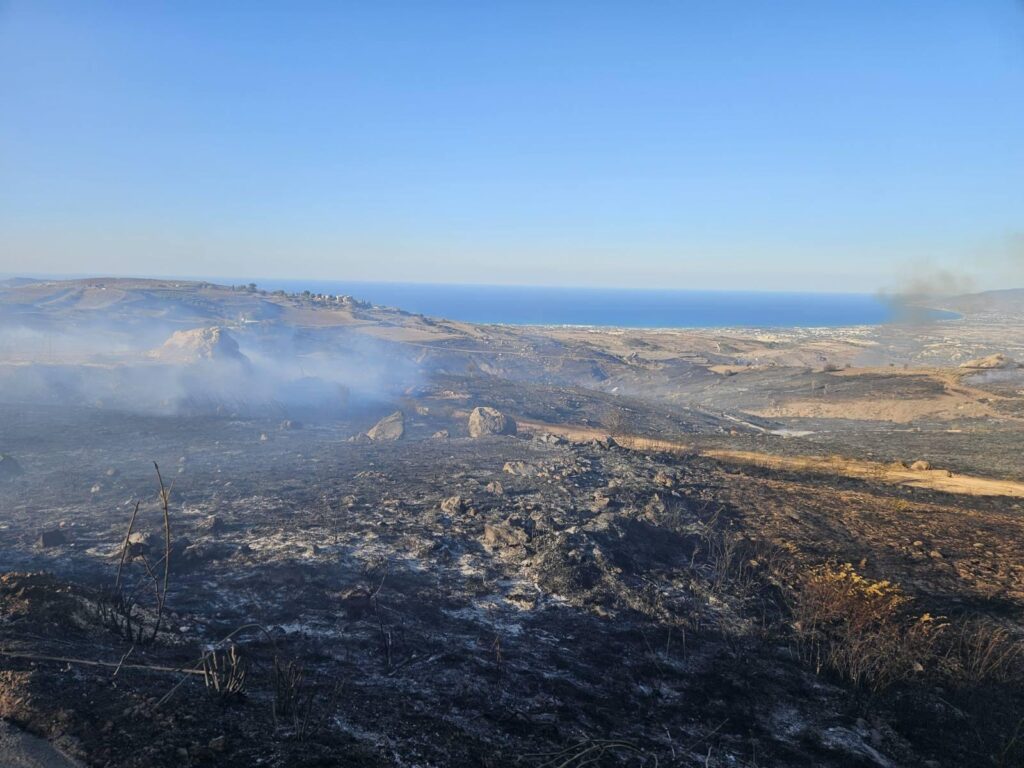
(997, 361)
(199, 344)
(391, 427)
(485, 421)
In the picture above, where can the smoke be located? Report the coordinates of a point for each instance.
(267, 372)
(922, 291)
(932, 283)
(976, 283)
(94, 342)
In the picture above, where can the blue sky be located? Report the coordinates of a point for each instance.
(779, 145)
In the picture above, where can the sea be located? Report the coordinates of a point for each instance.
(620, 308)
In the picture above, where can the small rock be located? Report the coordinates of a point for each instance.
(664, 479)
(550, 439)
(138, 545)
(453, 505)
(356, 602)
(211, 524)
(523, 600)
(504, 536)
(496, 488)
(520, 469)
(655, 508)
(55, 538)
(921, 465)
(441, 434)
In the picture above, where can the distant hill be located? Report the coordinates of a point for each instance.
(175, 303)
(1009, 301)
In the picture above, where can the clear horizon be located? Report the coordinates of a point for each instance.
(851, 147)
(262, 283)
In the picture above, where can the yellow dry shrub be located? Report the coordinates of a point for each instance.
(860, 628)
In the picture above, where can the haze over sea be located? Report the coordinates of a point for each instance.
(612, 307)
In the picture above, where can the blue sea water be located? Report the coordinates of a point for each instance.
(623, 308)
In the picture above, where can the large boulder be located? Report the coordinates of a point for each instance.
(485, 421)
(391, 427)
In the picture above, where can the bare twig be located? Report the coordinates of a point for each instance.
(588, 752)
(165, 499)
(94, 663)
(124, 546)
(121, 662)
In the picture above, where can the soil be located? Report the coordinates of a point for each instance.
(614, 585)
(583, 604)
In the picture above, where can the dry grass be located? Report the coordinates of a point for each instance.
(983, 652)
(297, 704)
(892, 474)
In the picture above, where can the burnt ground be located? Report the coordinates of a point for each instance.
(459, 602)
